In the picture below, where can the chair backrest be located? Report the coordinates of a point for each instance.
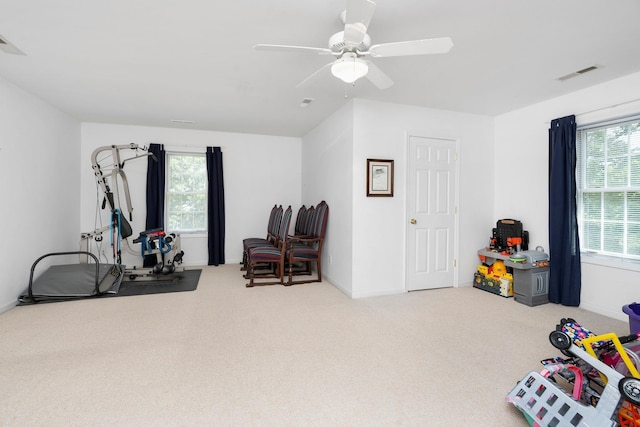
(272, 217)
(274, 225)
(300, 218)
(284, 225)
(321, 215)
(308, 221)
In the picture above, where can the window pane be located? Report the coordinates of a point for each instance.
(617, 139)
(635, 171)
(591, 236)
(634, 138)
(595, 173)
(633, 239)
(617, 172)
(614, 206)
(186, 173)
(634, 153)
(186, 211)
(595, 143)
(592, 206)
(613, 237)
(633, 206)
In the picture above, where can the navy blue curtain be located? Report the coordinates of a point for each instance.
(215, 206)
(564, 246)
(155, 193)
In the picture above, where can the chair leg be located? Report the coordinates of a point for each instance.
(319, 270)
(280, 268)
(290, 281)
(244, 261)
(250, 272)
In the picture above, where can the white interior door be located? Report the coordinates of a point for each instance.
(431, 210)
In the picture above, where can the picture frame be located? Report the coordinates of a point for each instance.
(379, 178)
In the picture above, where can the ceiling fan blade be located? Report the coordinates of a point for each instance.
(413, 47)
(356, 21)
(312, 77)
(378, 77)
(282, 48)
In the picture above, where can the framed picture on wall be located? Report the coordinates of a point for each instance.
(379, 178)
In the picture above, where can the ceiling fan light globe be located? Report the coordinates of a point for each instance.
(349, 69)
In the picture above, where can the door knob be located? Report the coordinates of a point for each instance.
(413, 221)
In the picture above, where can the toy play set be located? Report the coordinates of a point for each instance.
(596, 383)
(508, 269)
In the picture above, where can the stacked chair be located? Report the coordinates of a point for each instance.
(303, 229)
(281, 254)
(273, 226)
(307, 248)
(269, 253)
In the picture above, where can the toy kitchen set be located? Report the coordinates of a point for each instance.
(508, 269)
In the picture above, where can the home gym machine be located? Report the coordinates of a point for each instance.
(108, 165)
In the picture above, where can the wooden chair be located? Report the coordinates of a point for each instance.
(270, 254)
(308, 248)
(303, 227)
(272, 230)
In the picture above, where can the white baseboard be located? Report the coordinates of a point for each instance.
(342, 289)
(8, 306)
(605, 312)
(381, 293)
(465, 284)
(200, 263)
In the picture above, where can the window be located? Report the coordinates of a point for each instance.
(608, 184)
(186, 198)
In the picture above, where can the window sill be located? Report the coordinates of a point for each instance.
(611, 262)
(192, 235)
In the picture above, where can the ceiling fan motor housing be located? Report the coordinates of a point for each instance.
(337, 44)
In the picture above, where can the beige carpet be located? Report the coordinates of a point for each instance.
(306, 355)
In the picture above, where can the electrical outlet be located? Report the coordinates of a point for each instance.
(330, 259)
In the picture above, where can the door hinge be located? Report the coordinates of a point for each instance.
(455, 263)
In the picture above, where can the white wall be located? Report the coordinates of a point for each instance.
(327, 173)
(367, 236)
(380, 224)
(44, 209)
(259, 171)
(39, 189)
(521, 152)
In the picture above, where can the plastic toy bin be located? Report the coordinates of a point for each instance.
(633, 311)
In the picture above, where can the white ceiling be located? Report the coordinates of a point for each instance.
(147, 62)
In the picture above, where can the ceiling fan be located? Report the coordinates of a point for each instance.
(353, 45)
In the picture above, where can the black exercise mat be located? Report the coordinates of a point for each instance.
(187, 281)
(67, 282)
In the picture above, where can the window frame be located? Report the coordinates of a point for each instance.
(168, 192)
(601, 256)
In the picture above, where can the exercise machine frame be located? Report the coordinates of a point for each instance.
(164, 246)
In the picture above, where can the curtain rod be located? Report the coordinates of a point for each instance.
(607, 107)
(599, 109)
(178, 147)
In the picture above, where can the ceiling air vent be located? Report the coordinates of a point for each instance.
(578, 73)
(305, 102)
(7, 47)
